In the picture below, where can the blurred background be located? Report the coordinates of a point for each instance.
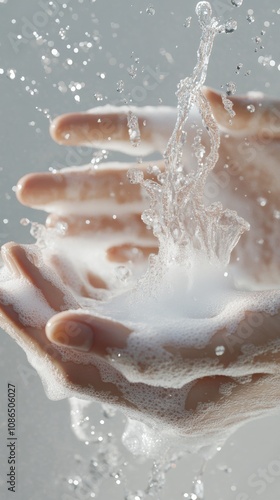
(72, 55)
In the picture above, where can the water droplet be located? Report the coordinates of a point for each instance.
(238, 68)
(224, 468)
(262, 201)
(132, 71)
(151, 10)
(133, 129)
(187, 22)
(123, 273)
(61, 228)
(120, 86)
(230, 25)
(11, 73)
(198, 488)
(251, 108)
(135, 175)
(153, 170)
(250, 18)
(237, 3)
(230, 88)
(24, 222)
(204, 12)
(276, 214)
(228, 105)
(220, 349)
(98, 96)
(55, 53)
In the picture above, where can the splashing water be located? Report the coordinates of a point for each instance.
(187, 230)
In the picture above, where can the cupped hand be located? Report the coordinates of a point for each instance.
(96, 246)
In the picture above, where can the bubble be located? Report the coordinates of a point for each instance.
(220, 350)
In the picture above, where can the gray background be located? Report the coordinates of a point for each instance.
(120, 31)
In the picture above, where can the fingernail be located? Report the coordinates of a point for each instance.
(73, 334)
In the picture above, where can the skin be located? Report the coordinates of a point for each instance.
(249, 145)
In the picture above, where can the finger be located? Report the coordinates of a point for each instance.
(254, 114)
(87, 333)
(128, 252)
(77, 225)
(25, 262)
(80, 285)
(71, 189)
(107, 127)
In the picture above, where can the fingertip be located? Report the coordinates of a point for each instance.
(73, 129)
(22, 189)
(59, 128)
(40, 189)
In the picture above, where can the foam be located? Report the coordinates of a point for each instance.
(184, 300)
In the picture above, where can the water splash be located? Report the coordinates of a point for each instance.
(187, 230)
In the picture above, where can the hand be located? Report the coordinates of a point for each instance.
(84, 251)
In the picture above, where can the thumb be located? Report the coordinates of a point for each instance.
(87, 333)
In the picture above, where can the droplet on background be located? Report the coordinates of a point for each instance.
(151, 10)
(230, 25)
(11, 73)
(250, 17)
(187, 22)
(98, 96)
(120, 86)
